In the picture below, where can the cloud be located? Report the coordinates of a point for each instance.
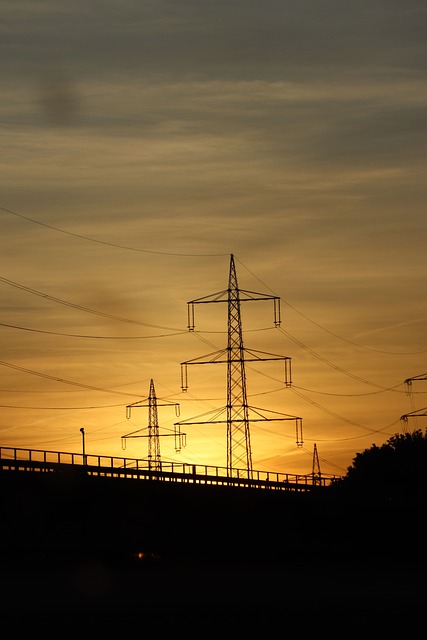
(273, 40)
(166, 136)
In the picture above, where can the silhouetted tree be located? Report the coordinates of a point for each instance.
(396, 471)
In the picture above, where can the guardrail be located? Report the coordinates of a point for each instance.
(17, 459)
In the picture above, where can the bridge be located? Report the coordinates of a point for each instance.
(14, 459)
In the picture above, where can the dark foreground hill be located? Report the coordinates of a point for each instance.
(73, 543)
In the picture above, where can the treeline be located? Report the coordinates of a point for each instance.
(395, 472)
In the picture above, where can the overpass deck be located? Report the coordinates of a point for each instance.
(41, 461)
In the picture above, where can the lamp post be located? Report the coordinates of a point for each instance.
(82, 431)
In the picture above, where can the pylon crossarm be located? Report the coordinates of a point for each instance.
(415, 414)
(203, 422)
(168, 404)
(133, 433)
(284, 416)
(213, 357)
(280, 417)
(213, 297)
(165, 403)
(163, 435)
(422, 376)
(267, 356)
(263, 419)
(219, 296)
(224, 356)
(135, 405)
(216, 358)
(215, 414)
(254, 295)
(139, 403)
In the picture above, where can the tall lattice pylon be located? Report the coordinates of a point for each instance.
(239, 414)
(153, 435)
(238, 436)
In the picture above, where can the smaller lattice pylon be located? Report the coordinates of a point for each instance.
(316, 473)
(415, 414)
(153, 435)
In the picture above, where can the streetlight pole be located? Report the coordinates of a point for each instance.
(82, 431)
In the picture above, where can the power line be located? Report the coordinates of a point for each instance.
(350, 395)
(80, 307)
(112, 244)
(351, 422)
(174, 330)
(332, 333)
(64, 381)
(101, 406)
(354, 344)
(206, 255)
(331, 364)
(78, 335)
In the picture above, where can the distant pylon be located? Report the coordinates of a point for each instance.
(238, 418)
(154, 457)
(414, 413)
(316, 474)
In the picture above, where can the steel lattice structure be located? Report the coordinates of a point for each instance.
(316, 473)
(415, 413)
(238, 436)
(239, 414)
(153, 435)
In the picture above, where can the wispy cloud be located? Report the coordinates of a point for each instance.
(152, 140)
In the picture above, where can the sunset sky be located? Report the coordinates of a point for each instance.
(145, 142)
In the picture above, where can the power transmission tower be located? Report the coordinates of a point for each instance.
(414, 413)
(238, 413)
(153, 435)
(316, 474)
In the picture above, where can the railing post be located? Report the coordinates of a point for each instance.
(82, 431)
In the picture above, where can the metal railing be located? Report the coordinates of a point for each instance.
(17, 459)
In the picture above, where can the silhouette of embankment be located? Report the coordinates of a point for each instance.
(69, 539)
